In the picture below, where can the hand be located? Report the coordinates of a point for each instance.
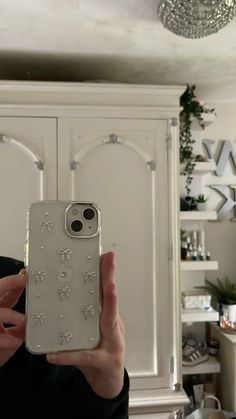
(103, 367)
(11, 338)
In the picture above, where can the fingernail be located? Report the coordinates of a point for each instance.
(51, 357)
(21, 274)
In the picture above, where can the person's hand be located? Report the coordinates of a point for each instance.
(11, 338)
(103, 367)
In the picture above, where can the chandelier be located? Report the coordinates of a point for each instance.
(196, 18)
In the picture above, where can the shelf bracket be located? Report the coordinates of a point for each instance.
(174, 122)
(152, 165)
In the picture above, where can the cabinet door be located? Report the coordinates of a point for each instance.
(27, 173)
(122, 165)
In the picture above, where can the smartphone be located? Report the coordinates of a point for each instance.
(63, 248)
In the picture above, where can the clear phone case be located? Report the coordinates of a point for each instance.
(63, 248)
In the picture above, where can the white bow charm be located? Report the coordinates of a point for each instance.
(65, 254)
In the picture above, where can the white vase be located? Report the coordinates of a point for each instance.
(229, 312)
(201, 206)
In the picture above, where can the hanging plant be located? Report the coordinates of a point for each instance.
(192, 108)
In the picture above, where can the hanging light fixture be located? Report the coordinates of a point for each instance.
(196, 18)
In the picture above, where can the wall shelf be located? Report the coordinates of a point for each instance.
(199, 315)
(205, 265)
(211, 366)
(229, 336)
(202, 168)
(198, 215)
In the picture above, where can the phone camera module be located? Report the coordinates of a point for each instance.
(76, 226)
(88, 214)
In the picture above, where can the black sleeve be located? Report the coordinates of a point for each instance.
(116, 408)
(80, 401)
(34, 388)
(10, 266)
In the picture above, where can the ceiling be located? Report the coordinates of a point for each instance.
(111, 40)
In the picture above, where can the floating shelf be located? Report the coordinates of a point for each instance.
(205, 265)
(211, 366)
(198, 215)
(230, 336)
(199, 315)
(202, 168)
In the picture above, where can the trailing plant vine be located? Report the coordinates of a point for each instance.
(192, 108)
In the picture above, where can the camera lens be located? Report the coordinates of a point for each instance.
(76, 226)
(88, 214)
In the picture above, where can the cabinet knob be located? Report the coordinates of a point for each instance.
(177, 387)
(176, 414)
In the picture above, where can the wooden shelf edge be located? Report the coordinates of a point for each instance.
(198, 215)
(211, 366)
(206, 265)
(204, 167)
(199, 315)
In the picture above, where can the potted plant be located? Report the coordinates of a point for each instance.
(201, 201)
(188, 203)
(192, 108)
(224, 293)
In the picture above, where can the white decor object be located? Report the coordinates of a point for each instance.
(201, 206)
(229, 312)
(196, 299)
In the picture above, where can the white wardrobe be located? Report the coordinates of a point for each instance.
(116, 145)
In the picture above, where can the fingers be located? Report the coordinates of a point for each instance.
(11, 287)
(9, 342)
(10, 316)
(12, 282)
(17, 331)
(11, 338)
(10, 298)
(108, 268)
(110, 307)
(96, 358)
